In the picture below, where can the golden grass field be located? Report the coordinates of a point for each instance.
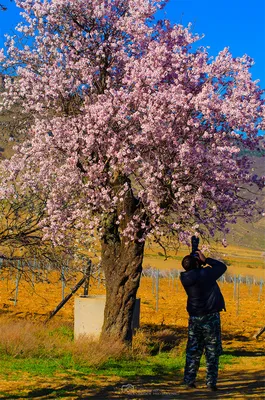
(36, 300)
(244, 316)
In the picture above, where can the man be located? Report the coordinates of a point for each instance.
(205, 301)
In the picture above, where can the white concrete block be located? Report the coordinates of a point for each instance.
(89, 315)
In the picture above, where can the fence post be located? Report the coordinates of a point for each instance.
(86, 284)
(1, 268)
(238, 297)
(63, 281)
(235, 282)
(157, 288)
(17, 282)
(153, 281)
(251, 286)
(260, 290)
(99, 277)
(247, 283)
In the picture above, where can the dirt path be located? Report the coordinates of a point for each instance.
(243, 380)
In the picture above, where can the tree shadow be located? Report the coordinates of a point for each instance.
(235, 337)
(157, 387)
(244, 353)
(230, 386)
(181, 333)
(51, 393)
(163, 337)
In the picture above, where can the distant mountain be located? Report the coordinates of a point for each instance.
(252, 234)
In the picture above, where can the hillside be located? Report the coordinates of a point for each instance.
(251, 235)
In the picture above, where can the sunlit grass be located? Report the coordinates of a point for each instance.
(160, 364)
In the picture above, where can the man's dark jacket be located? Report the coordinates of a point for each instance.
(204, 295)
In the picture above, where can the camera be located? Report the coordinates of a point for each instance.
(194, 246)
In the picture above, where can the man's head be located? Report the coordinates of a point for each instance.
(190, 262)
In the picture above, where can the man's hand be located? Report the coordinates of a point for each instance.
(201, 256)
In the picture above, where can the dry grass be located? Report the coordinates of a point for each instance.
(89, 351)
(140, 344)
(20, 338)
(26, 339)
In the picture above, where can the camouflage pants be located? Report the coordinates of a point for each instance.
(204, 333)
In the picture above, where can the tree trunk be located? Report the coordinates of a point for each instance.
(122, 265)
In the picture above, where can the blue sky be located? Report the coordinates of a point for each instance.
(238, 24)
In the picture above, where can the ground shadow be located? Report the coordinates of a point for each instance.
(163, 336)
(244, 353)
(231, 385)
(51, 393)
(227, 336)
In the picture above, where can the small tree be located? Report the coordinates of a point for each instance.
(19, 222)
(135, 134)
(20, 234)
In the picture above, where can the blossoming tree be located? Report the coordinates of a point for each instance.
(133, 132)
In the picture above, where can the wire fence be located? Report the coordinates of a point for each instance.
(174, 283)
(34, 272)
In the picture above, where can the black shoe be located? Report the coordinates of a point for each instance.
(212, 388)
(190, 386)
